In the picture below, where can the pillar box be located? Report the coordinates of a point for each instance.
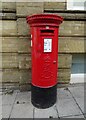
(44, 40)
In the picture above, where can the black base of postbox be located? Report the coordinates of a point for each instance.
(43, 97)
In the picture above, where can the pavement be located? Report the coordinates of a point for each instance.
(70, 104)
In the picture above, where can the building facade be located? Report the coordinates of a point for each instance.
(15, 41)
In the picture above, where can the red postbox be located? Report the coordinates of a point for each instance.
(44, 38)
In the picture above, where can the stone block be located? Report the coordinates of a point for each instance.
(8, 28)
(54, 6)
(28, 8)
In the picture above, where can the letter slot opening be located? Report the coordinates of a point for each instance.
(47, 31)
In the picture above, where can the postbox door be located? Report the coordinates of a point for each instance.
(46, 68)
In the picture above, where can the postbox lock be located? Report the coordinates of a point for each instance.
(54, 62)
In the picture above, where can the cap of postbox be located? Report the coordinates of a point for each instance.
(44, 19)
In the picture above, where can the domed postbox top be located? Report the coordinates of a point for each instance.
(44, 19)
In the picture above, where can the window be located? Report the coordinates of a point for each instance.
(76, 4)
(78, 70)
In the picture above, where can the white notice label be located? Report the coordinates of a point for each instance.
(47, 45)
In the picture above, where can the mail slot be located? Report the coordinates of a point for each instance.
(44, 32)
(47, 31)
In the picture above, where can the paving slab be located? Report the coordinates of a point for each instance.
(6, 110)
(22, 111)
(67, 107)
(8, 99)
(77, 91)
(23, 97)
(63, 93)
(46, 113)
(80, 102)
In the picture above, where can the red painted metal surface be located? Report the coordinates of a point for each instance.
(44, 30)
